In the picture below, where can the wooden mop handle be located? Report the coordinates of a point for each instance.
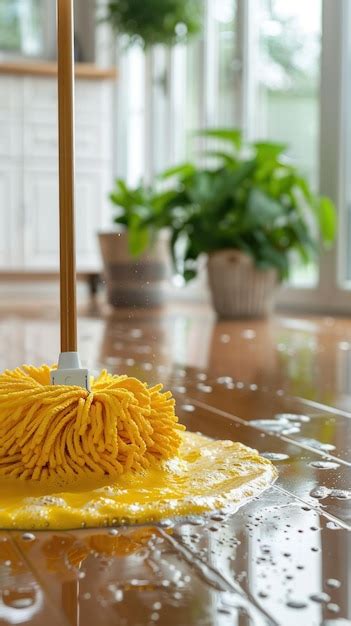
(68, 305)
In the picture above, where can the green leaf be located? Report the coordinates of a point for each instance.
(261, 209)
(268, 150)
(183, 170)
(189, 274)
(222, 156)
(234, 136)
(138, 236)
(302, 184)
(327, 220)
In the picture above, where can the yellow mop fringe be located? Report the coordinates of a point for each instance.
(63, 433)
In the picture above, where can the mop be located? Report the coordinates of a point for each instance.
(61, 423)
(82, 452)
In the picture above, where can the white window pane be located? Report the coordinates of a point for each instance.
(136, 115)
(287, 88)
(22, 26)
(225, 15)
(345, 217)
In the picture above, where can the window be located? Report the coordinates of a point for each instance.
(286, 89)
(288, 77)
(21, 26)
(279, 69)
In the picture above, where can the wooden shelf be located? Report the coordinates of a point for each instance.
(85, 71)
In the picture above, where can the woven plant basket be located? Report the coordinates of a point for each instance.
(238, 287)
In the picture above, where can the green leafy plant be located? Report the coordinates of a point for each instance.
(155, 21)
(252, 199)
(142, 212)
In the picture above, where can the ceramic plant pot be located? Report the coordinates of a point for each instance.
(135, 281)
(238, 287)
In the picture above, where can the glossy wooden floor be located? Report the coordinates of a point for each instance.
(283, 387)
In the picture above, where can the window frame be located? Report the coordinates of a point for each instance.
(329, 296)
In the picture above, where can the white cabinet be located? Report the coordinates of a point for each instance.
(10, 213)
(42, 213)
(29, 237)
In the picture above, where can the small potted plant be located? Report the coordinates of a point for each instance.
(151, 22)
(252, 214)
(136, 255)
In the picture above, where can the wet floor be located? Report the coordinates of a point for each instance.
(283, 388)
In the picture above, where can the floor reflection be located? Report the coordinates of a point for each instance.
(282, 559)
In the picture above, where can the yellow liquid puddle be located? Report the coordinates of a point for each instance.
(207, 475)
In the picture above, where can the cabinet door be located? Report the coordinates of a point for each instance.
(41, 206)
(11, 218)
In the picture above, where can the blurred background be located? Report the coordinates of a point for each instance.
(149, 76)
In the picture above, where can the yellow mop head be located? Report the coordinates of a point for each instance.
(66, 432)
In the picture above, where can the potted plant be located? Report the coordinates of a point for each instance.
(251, 213)
(151, 22)
(136, 256)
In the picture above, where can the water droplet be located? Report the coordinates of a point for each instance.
(166, 523)
(189, 408)
(317, 445)
(180, 372)
(225, 338)
(113, 531)
(296, 604)
(204, 388)
(157, 606)
(179, 389)
(19, 599)
(275, 456)
(324, 465)
(340, 494)
(320, 493)
(201, 376)
(112, 360)
(333, 526)
(293, 417)
(224, 380)
(195, 520)
(248, 333)
(136, 333)
(265, 549)
(130, 362)
(344, 345)
(118, 595)
(155, 616)
(147, 367)
(334, 608)
(320, 597)
(217, 517)
(334, 583)
(87, 595)
(28, 537)
(282, 426)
